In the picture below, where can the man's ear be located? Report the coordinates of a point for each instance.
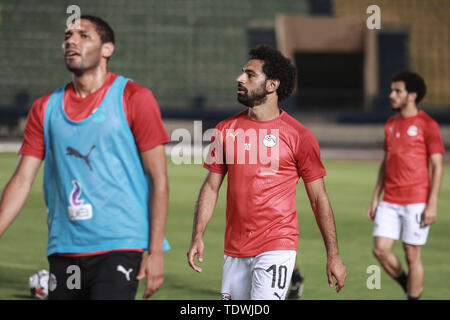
(272, 85)
(412, 96)
(107, 49)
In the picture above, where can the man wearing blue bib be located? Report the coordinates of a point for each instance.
(100, 136)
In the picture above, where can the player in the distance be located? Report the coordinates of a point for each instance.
(264, 151)
(412, 145)
(99, 135)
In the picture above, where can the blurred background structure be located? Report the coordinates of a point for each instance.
(189, 52)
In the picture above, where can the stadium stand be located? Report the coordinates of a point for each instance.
(190, 52)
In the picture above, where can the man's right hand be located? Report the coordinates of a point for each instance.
(196, 249)
(371, 211)
(16, 191)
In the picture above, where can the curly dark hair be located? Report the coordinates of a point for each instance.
(413, 83)
(276, 66)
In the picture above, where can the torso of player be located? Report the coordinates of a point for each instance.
(88, 197)
(136, 111)
(263, 170)
(407, 155)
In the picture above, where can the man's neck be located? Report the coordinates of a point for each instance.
(265, 112)
(88, 82)
(410, 110)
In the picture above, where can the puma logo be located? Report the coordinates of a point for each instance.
(120, 268)
(72, 152)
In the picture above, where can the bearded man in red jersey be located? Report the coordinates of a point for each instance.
(412, 144)
(264, 151)
(98, 137)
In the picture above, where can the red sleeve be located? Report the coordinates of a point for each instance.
(144, 117)
(215, 160)
(33, 137)
(433, 138)
(309, 165)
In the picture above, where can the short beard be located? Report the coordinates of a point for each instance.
(255, 97)
(399, 108)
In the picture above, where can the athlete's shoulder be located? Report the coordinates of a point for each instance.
(231, 121)
(294, 125)
(40, 104)
(133, 86)
(393, 118)
(42, 101)
(291, 121)
(137, 94)
(427, 118)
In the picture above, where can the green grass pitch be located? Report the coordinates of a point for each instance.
(349, 185)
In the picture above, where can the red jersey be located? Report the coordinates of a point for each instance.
(140, 107)
(264, 161)
(408, 144)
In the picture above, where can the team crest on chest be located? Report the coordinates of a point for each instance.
(412, 131)
(270, 140)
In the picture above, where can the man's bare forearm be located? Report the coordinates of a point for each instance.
(380, 181)
(435, 179)
(16, 192)
(12, 200)
(326, 223)
(204, 210)
(159, 208)
(323, 213)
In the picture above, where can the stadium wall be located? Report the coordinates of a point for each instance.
(429, 33)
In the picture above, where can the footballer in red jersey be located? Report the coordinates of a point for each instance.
(412, 145)
(92, 106)
(264, 151)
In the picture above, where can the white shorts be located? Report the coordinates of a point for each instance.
(394, 220)
(263, 277)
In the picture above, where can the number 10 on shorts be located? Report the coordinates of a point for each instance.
(281, 275)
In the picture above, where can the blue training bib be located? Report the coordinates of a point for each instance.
(95, 187)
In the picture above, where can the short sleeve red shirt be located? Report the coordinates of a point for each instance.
(264, 161)
(140, 107)
(408, 144)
